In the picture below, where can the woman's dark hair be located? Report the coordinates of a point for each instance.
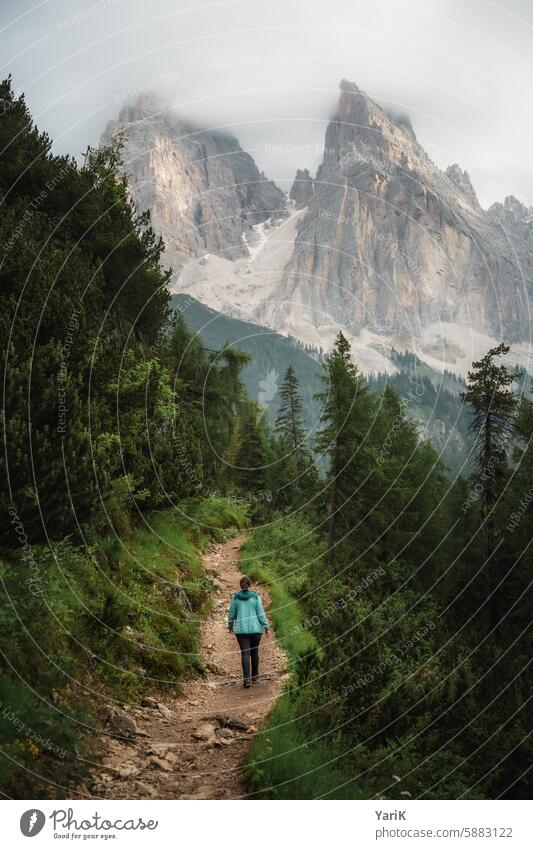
(245, 583)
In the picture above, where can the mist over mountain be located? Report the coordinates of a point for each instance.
(380, 243)
(203, 191)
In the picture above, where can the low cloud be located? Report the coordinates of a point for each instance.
(269, 73)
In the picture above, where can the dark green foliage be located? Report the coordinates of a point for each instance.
(402, 598)
(433, 401)
(296, 474)
(207, 386)
(269, 354)
(119, 401)
(403, 673)
(494, 406)
(251, 457)
(80, 286)
(103, 421)
(346, 418)
(432, 398)
(289, 421)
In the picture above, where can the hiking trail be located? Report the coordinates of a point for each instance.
(192, 746)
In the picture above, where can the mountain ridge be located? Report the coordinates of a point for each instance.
(203, 190)
(380, 243)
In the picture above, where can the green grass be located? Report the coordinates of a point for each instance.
(118, 617)
(287, 761)
(274, 556)
(157, 594)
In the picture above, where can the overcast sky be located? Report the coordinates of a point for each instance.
(269, 70)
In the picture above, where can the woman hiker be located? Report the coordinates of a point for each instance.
(247, 619)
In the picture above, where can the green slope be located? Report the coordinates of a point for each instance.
(271, 355)
(432, 398)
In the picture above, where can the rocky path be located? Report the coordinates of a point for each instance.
(192, 747)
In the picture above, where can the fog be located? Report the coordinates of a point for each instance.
(269, 71)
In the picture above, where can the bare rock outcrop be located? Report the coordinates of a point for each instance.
(203, 190)
(382, 242)
(302, 188)
(393, 245)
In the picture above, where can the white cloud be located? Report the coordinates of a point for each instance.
(270, 71)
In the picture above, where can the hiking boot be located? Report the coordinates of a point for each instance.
(246, 685)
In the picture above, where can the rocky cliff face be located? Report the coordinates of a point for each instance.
(382, 243)
(302, 189)
(393, 245)
(204, 192)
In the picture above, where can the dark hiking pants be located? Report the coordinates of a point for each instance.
(249, 646)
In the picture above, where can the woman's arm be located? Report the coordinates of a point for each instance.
(232, 613)
(261, 614)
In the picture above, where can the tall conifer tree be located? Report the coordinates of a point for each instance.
(494, 407)
(298, 475)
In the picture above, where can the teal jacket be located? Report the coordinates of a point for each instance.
(246, 614)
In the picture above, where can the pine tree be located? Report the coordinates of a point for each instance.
(494, 408)
(297, 472)
(344, 416)
(223, 399)
(288, 422)
(251, 456)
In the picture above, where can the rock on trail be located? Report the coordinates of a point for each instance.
(193, 746)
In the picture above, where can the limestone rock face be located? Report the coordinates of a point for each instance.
(382, 243)
(203, 191)
(302, 188)
(461, 179)
(391, 244)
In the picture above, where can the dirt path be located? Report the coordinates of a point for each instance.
(192, 747)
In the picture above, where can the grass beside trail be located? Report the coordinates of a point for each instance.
(157, 593)
(116, 617)
(284, 762)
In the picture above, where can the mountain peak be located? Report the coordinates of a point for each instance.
(145, 105)
(204, 191)
(303, 188)
(400, 119)
(382, 241)
(513, 205)
(346, 85)
(357, 108)
(512, 210)
(461, 180)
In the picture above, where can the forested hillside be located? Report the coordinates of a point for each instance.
(431, 398)
(404, 605)
(112, 468)
(271, 354)
(400, 594)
